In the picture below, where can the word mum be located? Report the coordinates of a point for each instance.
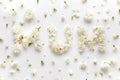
(22, 40)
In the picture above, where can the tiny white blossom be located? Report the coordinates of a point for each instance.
(29, 15)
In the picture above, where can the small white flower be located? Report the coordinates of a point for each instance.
(16, 29)
(105, 19)
(17, 49)
(88, 17)
(82, 66)
(12, 71)
(33, 73)
(83, 1)
(38, 45)
(62, 18)
(105, 67)
(70, 73)
(29, 15)
(112, 61)
(67, 61)
(3, 64)
(26, 42)
(14, 65)
(101, 49)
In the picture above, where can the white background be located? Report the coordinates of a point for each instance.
(45, 6)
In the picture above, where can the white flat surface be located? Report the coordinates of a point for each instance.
(45, 6)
